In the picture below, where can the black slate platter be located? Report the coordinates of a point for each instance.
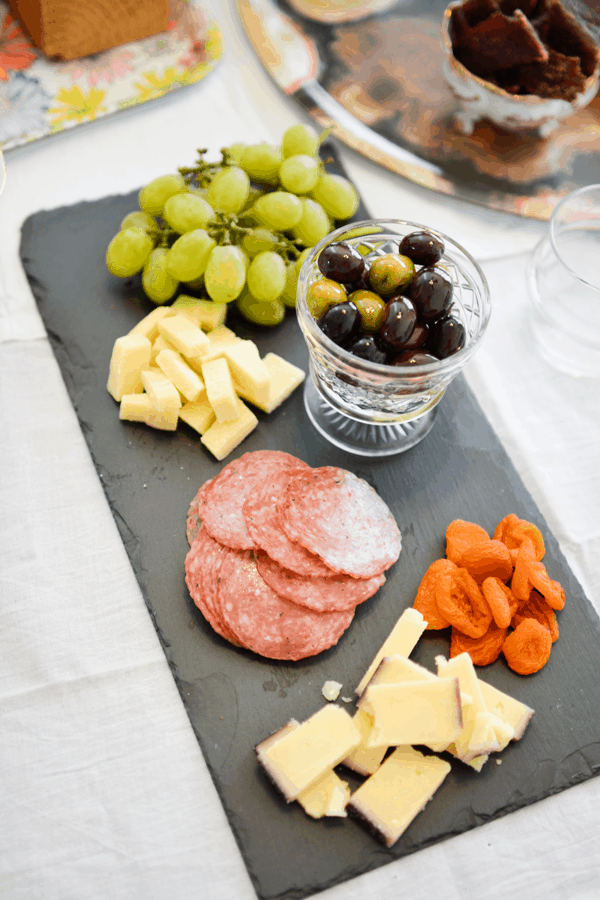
(233, 698)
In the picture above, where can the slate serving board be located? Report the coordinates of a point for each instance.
(233, 698)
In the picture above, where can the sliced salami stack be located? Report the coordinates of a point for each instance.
(281, 553)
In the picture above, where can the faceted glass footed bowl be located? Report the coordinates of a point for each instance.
(369, 408)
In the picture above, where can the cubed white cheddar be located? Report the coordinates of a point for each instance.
(390, 799)
(298, 758)
(415, 712)
(284, 378)
(223, 437)
(401, 642)
(206, 314)
(248, 369)
(217, 339)
(139, 408)
(130, 355)
(184, 334)
(364, 760)
(161, 343)
(220, 390)
(198, 414)
(514, 713)
(161, 390)
(327, 796)
(180, 374)
(149, 324)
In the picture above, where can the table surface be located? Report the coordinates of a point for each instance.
(103, 788)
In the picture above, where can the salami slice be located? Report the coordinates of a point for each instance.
(220, 507)
(261, 512)
(342, 519)
(193, 520)
(341, 592)
(202, 565)
(269, 624)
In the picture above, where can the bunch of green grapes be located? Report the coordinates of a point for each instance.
(237, 230)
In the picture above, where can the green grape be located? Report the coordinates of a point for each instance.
(299, 174)
(188, 257)
(258, 240)
(300, 139)
(260, 312)
(139, 219)
(128, 251)
(186, 212)
(337, 196)
(225, 274)
(266, 276)
(153, 197)
(279, 210)
(158, 285)
(299, 262)
(235, 152)
(229, 189)
(261, 162)
(288, 296)
(314, 223)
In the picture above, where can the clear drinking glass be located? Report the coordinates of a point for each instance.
(379, 410)
(564, 286)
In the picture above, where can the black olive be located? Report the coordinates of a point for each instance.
(399, 321)
(447, 337)
(341, 262)
(341, 323)
(431, 292)
(422, 247)
(369, 348)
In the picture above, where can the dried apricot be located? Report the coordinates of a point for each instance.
(520, 584)
(551, 591)
(527, 648)
(512, 531)
(425, 601)
(487, 559)
(483, 650)
(537, 608)
(461, 536)
(460, 601)
(503, 526)
(501, 601)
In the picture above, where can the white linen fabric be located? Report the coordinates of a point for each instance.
(104, 792)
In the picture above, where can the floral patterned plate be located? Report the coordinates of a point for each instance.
(39, 97)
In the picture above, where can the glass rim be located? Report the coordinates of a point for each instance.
(440, 366)
(553, 236)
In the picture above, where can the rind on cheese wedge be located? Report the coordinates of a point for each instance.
(390, 799)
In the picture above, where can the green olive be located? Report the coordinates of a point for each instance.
(371, 308)
(390, 273)
(322, 294)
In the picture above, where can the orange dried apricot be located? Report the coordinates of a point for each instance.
(527, 648)
(461, 603)
(520, 584)
(537, 608)
(501, 601)
(512, 531)
(461, 536)
(483, 650)
(503, 526)
(489, 558)
(425, 601)
(551, 591)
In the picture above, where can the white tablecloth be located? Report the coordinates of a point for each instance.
(104, 792)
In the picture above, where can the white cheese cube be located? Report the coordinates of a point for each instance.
(248, 369)
(223, 437)
(219, 390)
(401, 642)
(161, 343)
(139, 408)
(302, 756)
(183, 377)
(184, 334)
(284, 378)
(198, 414)
(217, 339)
(162, 392)
(390, 799)
(130, 355)
(149, 324)
(415, 712)
(206, 314)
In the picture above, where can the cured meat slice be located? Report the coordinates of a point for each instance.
(202, 565)
(193, 520)
(220, 507)
(341, 592)
(269, 624)
(342, 519)
(261, 512)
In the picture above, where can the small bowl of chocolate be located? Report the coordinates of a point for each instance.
(523, 64)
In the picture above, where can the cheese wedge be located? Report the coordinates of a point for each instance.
(364, 760)
(223, 437)
(475, 739)
(198, 414)
(414, 712)
(149, 324)
(180, 374)
(514, 713)
(390, 799)
(299, 757)
(219, 390)
(130, 355)
(139, 408)
(401, 642)
(162, 392)
(186, 336)
(284, 378)
(327, 796)
(248, 369)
